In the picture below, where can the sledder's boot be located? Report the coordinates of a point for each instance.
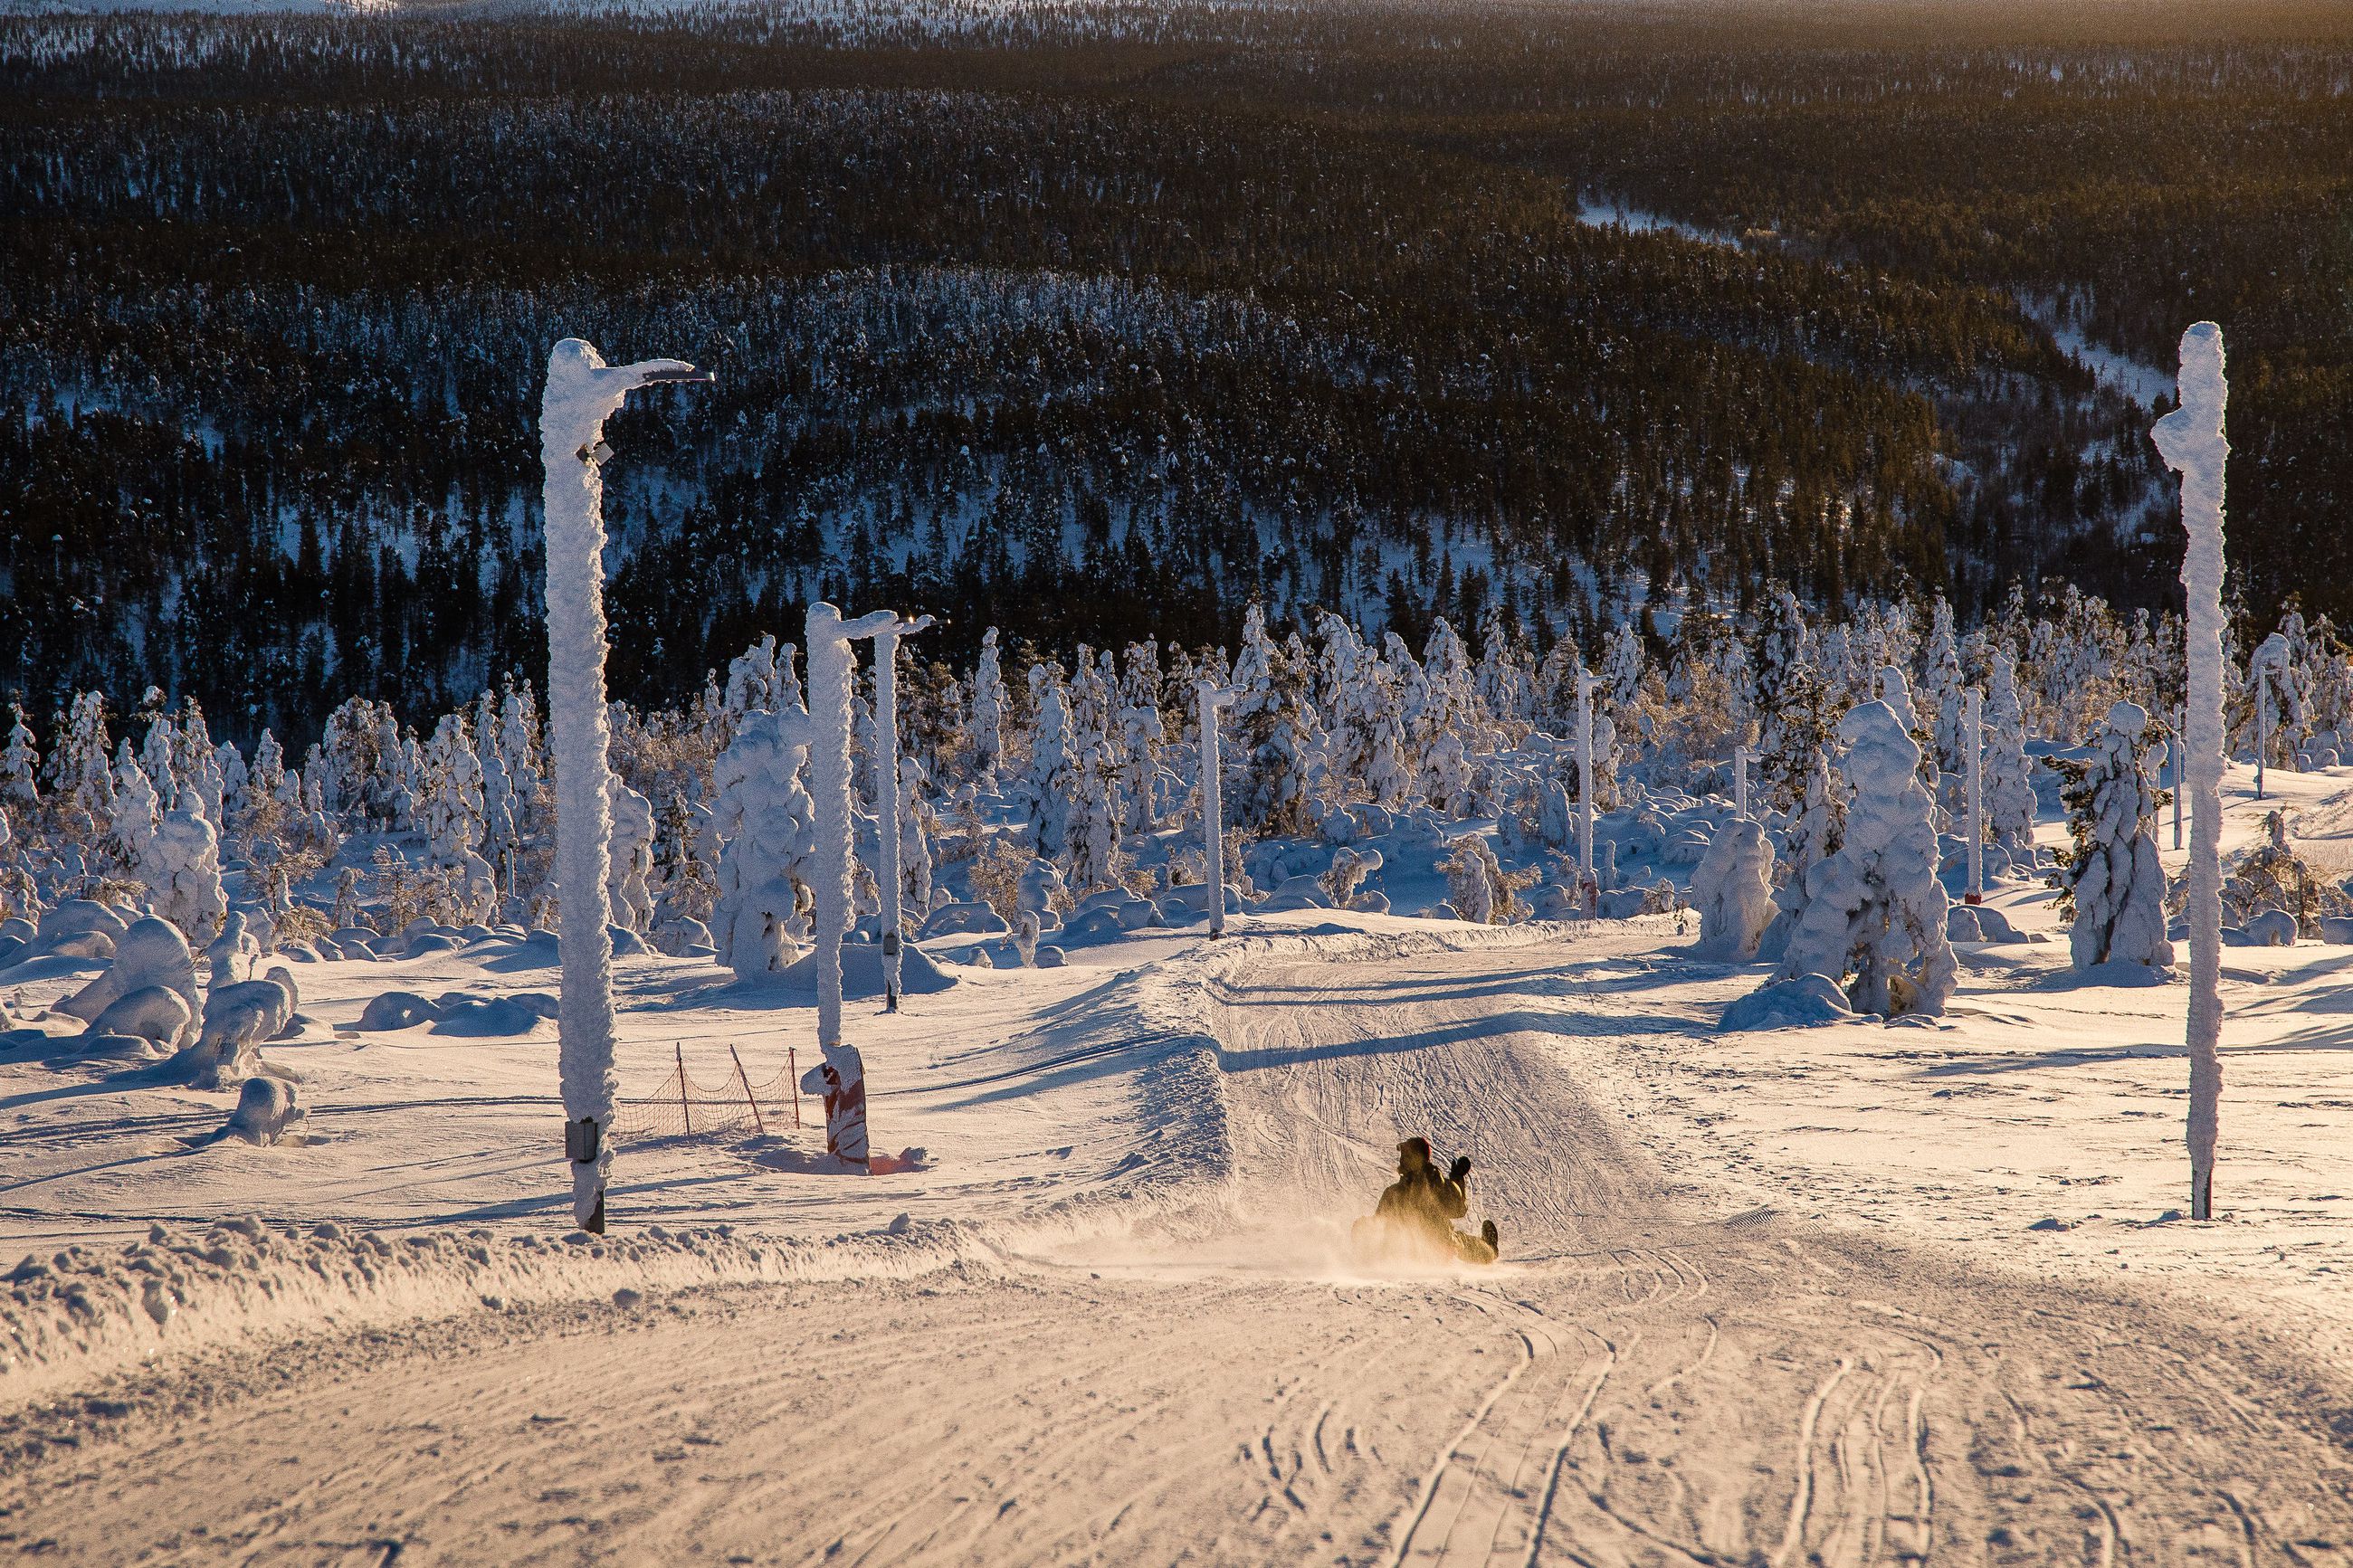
(1487, 1235)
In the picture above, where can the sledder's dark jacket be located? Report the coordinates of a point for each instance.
(1426, 1198)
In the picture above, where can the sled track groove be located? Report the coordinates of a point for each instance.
(1803, 1501)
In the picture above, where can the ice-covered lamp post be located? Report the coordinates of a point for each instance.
(1973, 737)
(841, 1077)
(1212, 698)
(1584, 880)
(582, 393)
(887, 823)
(2192, 442)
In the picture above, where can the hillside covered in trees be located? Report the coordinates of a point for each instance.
(1101, 324)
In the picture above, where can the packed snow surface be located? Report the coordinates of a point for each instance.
(1857, 1292)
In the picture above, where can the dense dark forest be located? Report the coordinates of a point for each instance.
(1107, 320)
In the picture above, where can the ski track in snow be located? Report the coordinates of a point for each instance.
(1171, 1358)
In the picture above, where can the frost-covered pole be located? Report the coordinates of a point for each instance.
(887, 825)
(2192, 442)
(841, 1077)
(1585, 684)
(2181, 734)
(1740, 781)
(1213, 804)
(582, 391)
(1973, 736)
(2262, 726)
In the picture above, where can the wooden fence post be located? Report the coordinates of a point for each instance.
(793, 1076)
(684, 1114)
(745, 1080)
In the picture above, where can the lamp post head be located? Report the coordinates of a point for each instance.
(582, 392)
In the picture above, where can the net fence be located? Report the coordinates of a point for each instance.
(680, 1106)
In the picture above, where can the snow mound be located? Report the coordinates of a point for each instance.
(491, 1017)
(396, 1010)
(266, 1110)
(1976, 923)
(862, 972)
(1802, 1003)
(2271, 927)
(74, 1315)
(963, 919)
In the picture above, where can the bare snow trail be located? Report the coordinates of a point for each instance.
(1639, 1383)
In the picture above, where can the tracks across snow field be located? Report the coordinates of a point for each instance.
(1643, 1381)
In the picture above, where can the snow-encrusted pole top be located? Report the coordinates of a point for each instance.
(2192, 442)
(582, 391)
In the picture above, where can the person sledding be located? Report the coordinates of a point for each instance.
(1415, 1219)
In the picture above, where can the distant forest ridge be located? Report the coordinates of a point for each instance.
(1103, 320)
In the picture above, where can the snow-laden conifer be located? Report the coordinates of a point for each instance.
(1732, 888)
(2111, 887)
(1874, 912)
(769, 826)
(2010, 804)
(21, 766)
(988, 699)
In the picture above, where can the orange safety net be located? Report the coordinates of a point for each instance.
(681, 1107)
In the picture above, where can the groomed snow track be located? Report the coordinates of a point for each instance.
(1640, 1383)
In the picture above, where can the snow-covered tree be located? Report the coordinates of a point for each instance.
(1349, 698)
(988, 697)
(1418, 705)
(196, 761)
(768, 822)
(187, 852)
(753, 685)
(448, 812)
(1387, 775)
(1812, 837)
(1506, 677)
(2275, 714)
(1454, 704)
(1140, 734)
(2112, 889)
(1624, 663)
(1940, 690)
(1272, 796)
(1052, 779)
(20, 765)
(259, 806)
(130, 831)
(1254, 669)
(156, 757)
(80, 771)
(1445, 781)
(2010, 804)
(1874, 912)
(1732, 888)
(917, 825)
(1480, 892)
(630, 863)
(1094, 823)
